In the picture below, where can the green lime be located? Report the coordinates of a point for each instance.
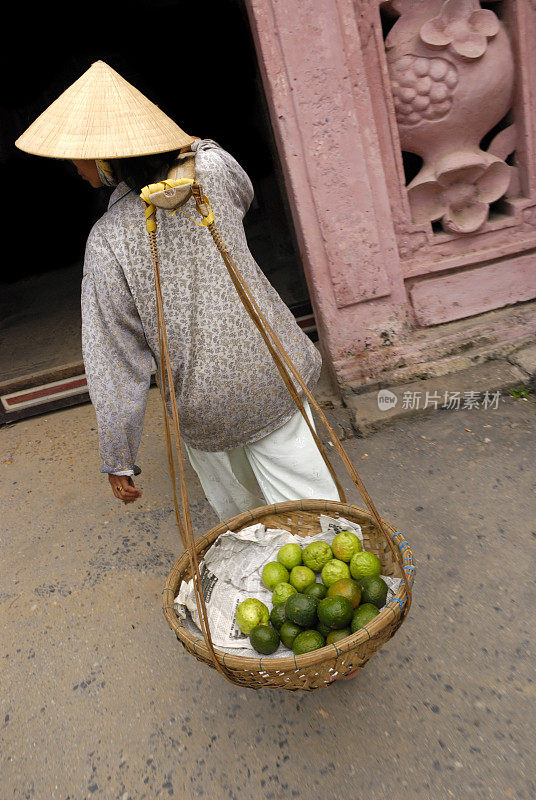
(264, 639)
(290, 555)
(316, 554)
(333, 571)
(335, 612)
(251, 612)
(289, 631)
(317, 590)
(348, 588)
(373, 590)
(364, 564)
(335, 636)
(323, 629)
(345, 544)
(301, 609)
(274, 573)
(363, 615)
(282, 592)
(307, 641)
(301, 578)
(278, 616)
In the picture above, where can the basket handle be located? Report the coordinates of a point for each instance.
(285, 366)
(184, 525)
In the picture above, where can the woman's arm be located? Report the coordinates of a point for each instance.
(117, 361)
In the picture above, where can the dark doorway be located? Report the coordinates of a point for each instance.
(198, 64)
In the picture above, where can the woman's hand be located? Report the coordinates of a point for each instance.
(123, 488)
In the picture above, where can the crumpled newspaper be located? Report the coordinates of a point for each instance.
(231, 572)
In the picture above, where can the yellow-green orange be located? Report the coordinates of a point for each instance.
(301, 578)
(250, 613)
(290, 555)
(364, 564)
(345, 545)
(333, 571)
(316, 555)
(282, 592)
(274, 573)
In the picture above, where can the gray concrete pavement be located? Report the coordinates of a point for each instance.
(98, 699)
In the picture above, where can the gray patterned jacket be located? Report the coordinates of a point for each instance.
(229, 392)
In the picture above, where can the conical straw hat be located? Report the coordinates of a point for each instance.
(102, 116)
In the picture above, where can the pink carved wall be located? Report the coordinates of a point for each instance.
(406, 133)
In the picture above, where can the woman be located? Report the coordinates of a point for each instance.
(244, 436)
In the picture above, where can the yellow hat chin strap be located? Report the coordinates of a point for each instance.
(106, 172)
(171, 183)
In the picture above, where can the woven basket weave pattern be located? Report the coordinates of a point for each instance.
(322, 667)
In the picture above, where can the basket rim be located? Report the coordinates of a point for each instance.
(389, 614)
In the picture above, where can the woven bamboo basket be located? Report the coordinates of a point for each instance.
(322, 667)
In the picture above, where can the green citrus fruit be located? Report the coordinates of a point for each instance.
(364, 564)
(307, 641)
(317, 590)
(316, 554)
(301, 578)
(363, 615)
(264, 639)
(323, 629)
(289, 631)
(333, 571)
(274, 573)
(301, 609)
(282, 592)
(278, 616)
(348, 588)
(335, 612)
(290, 555)
(250, 613)
(373, 590)
(335, 636)
(345, 544)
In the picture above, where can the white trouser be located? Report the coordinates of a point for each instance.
(285, 465)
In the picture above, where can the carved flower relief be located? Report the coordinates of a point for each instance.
(459, 195)
(462, 27)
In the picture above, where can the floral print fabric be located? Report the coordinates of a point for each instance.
(229, 392)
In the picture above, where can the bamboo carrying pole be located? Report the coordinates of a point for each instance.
(287, 370)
